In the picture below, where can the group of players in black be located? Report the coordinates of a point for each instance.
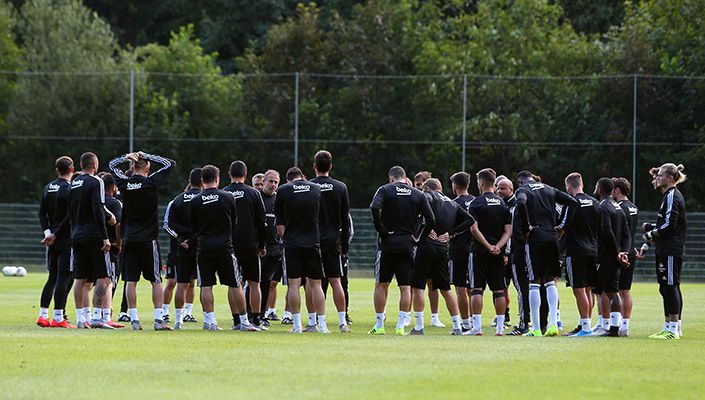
(251, 237)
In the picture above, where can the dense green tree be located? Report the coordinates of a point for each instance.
(9, 61)
(75, 88)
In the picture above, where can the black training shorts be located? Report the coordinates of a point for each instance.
(89, 262)
(389, 265)
(542, 260)
(431, 262)
(298, 262)
(332, 263)
(225, 266)
(141, 257)
(486, 269)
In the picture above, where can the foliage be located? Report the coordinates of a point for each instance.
(188, 104)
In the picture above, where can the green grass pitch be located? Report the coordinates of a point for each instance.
(52, 363)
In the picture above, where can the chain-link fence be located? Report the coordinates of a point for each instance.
(598, 125)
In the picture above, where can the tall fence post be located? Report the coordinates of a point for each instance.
(132, 110)
(634, 185)
(465, 115)
(296, 119)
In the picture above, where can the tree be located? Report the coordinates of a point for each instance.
(60, 39)
(9, 61)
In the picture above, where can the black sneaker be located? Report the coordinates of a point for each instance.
(287, 321)
(519, 331)
(166, 318)
(190, 318)
(265, 322)
(124, 318)
(272, 316)
(347, 319)
(574, 331)
(614, 331)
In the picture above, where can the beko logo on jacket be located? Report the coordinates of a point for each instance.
(134, 186)
(402, 191)
(188, 197)
(77, 183)
(211, 198)
(585, 202)
(492, 201)
(238, 194)
(326, 187)
(536, 186)
(302, 188)
(53, 188)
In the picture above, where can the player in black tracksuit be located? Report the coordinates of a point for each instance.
(272, 260)
(86, 220)
(396, 208)
(487, 263)
(668, 234)
(536, 204)
(431, 259)
(581, 250)
(178, 226)
(52, 210)
(621, 193)
(213, 215)
(249, 236)
(459, 249)
(141, 228)
(297, 210)
(334, 230)
(612, 255)
(514, 251)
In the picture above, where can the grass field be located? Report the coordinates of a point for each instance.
(51, 363)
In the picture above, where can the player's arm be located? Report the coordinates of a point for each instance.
(463, 222)
(570, 206)
(670, 219)
(118, 174)
(345, 228)
(44, 214)
(376, 210)
(505, 236)
(523, 212)
(625, 240)
(195, 227)
(610, 242)
(99, 215)
(475, 231)
(159, 176)
(169, 216)
(260, 220)
(109, 217)
(428, 217)
(279, 216)
(49, 236)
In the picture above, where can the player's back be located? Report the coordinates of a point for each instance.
(86, 214)
(582, 237)
(250, 213)
(334, 209)
(297, 208)
(491, 214)
(212, 213)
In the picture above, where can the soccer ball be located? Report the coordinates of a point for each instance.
(9, 270)
(21, 271)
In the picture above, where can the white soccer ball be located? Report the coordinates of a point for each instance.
(9, 270)
(21, 271)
